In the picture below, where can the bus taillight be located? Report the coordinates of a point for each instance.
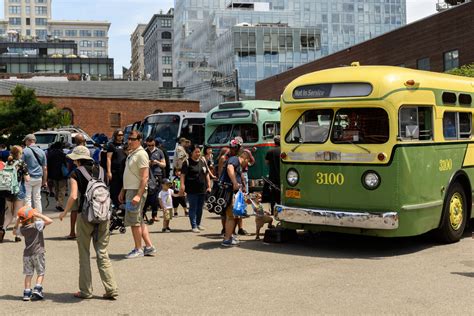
(382, 156)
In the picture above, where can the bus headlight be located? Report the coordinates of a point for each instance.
(370, 180)
(292, 177)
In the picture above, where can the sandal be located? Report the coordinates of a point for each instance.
(81, 296)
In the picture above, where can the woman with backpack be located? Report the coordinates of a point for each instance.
(14, 200)
(87, 231)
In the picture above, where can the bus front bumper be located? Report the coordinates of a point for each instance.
(367, 220)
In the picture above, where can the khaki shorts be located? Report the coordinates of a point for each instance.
(133, 214)
(168, 214)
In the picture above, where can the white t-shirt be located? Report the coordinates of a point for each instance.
(166, 198)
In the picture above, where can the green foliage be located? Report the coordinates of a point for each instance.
(466, 71)
(25, 114)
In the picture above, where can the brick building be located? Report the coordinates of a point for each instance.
(102, 107)
(437, 43)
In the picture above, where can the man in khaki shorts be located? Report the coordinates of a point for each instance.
(133, 194)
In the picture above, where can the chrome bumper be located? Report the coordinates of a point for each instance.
(368, 220)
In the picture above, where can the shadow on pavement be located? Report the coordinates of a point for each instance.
(117, 256)
(173, 230)
(466, 274)
(54, 297)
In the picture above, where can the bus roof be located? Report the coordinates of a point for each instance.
(240, 111)
(373, 82)
(181, 114)
(246, 105)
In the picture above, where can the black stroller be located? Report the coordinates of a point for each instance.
(219, 198)
(117, 219)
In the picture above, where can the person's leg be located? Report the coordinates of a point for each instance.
(192, 198)
(60, 193)
(36, 194)
(200, 205)
(146, 235)
(39, 279)
(28, 279)
(103, 261)
(115, 187)
(84, 235)
(137, 236)
(72, 233)
(28, 192)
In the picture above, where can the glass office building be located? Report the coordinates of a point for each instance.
(339, 23)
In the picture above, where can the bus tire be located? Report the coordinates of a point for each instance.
(454, 217)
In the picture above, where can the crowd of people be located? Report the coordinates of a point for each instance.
(139, 180)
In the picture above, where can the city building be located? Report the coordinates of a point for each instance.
(102, 107)
(31, 20)
(158, 49)
(137, 68)
(340, 24)
(52, 57)
(439, 43)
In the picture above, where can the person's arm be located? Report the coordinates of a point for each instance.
(47, 221)
(161, 202)
(109, 166)
(45, 171)
(182, 186)
(15, 228)
(72, 198)
(208, 181)
(232, 176)
(141, 189)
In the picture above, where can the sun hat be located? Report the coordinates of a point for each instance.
(26, 212)
(80, 152)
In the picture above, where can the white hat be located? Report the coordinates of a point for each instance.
(80, 152)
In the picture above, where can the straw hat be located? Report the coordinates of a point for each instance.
(80, 152)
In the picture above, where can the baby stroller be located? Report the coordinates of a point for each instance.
(219, 198)
(117, 219)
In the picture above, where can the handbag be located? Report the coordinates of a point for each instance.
(240, 208)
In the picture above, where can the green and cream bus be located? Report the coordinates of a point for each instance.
(257, 122)
(375, 150)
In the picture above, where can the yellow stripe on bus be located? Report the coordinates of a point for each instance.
(469, 158)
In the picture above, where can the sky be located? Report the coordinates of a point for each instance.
(126, 14)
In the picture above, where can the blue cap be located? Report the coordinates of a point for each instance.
(159, 140)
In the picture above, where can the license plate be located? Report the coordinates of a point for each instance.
(293, 194)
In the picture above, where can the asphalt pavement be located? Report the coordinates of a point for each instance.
(192, 274)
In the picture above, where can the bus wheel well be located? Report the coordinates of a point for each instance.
(462, 179)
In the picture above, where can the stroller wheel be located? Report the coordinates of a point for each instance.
(211, 199)
(123, 230)
(218, 209)
(220, 201)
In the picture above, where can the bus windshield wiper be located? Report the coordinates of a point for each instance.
(357, 145)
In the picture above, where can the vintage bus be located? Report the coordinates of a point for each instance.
(375, 150)
(171, 126)
(257, 122)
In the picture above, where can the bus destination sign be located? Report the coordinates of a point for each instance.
(332, 90)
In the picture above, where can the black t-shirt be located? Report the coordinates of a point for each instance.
(273, 157)
(195, 176)
(82, 182)
(118, 155)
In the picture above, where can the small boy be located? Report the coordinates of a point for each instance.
(166, 203)
(32, 225)
(177, 199)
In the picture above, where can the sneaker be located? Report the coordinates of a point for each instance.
(37, 293)
(27, 295)
(163, 230)
(195, 230)
(243, 232)
(229, 243)
(59, 209)
(175, 214)
(149, 251)
(135, 253)
(168, 230)
(201, 228)
(236, 239)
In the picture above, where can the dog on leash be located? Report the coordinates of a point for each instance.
(262, 217)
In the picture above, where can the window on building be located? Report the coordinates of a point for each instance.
(99, 33)
(14, 21)
(115, 119)
(57, 33)
(307, 41)
(85, 44)
(167, 72)
(70, 33)
(166, 48)
(167, 84)
(14, 1)
(14, 9)
(27, 10)
(101, 53)
(166, 23)
(41, 10)
(41, 34)
(85, 33)
(28, 21)
(41, 21)
(99, 44)
(423, 63)
(167, 60)
(166, 35)
(40, 1)
(451, 60)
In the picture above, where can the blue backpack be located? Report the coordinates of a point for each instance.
(9, 178)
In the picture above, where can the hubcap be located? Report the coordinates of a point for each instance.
(456, 211)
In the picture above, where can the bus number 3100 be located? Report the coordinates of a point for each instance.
(329, 178)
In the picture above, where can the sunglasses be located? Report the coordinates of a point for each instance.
(119, 134)
(132, 138)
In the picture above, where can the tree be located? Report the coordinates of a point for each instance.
(466, 71)
(25, 114)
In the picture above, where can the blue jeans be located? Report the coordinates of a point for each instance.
(196, 202)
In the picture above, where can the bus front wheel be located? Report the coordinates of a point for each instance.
(454, 217)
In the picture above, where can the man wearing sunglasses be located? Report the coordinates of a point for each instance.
(134, 194)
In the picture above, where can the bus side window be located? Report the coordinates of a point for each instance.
(457, 125)
(415, 123)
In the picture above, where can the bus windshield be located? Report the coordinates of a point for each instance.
(224, 133)
(164, 126)
(360, 126)
(312, 127)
